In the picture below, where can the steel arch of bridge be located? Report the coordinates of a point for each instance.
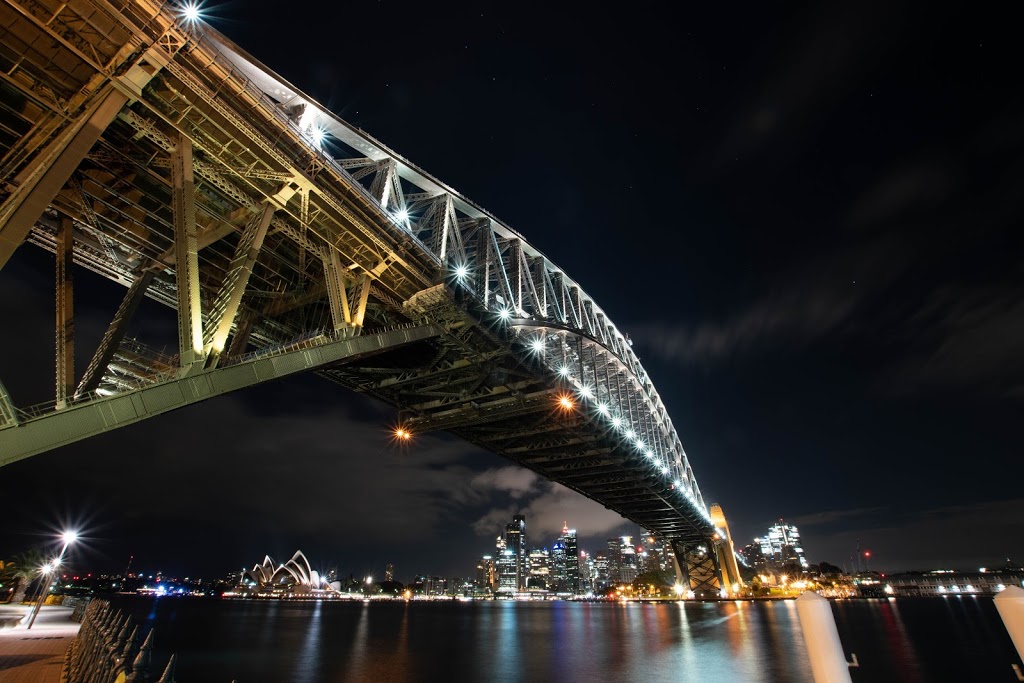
(153, 151)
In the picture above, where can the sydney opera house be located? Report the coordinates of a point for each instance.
(294, 577)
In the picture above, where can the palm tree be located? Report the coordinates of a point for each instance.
(7, 577)
(25, 568)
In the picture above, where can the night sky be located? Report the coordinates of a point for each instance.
(808, 219)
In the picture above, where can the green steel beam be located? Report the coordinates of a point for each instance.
(80, 421)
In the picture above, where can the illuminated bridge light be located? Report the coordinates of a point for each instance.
(617, 421)
(537, 345)
(649, 453)
(191, 12)
(402, 215)
(402, 434)
(566, 403)
(586, 392)
(505, 313)
(461, 271)
(640, 444)
(664, 470)
(630, 434)
(602, 408)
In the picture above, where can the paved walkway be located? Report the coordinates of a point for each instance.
(37, 655)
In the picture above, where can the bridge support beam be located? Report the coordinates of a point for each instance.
(699, 566)
(229, 298)
(40, 182)
(190, 314)
(80, 421)
(65, 324)
(348, 298)
(8, 415)
(114, 335)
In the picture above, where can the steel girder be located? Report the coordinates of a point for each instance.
(78, 421)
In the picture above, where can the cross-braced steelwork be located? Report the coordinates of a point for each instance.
(146, 147)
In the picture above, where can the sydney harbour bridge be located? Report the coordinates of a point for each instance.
(141, 144)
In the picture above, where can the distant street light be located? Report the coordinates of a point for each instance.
(50, 571)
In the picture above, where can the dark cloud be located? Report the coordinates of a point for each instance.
(829, 517)
(808, 305)
(822, 55)
(966, 337)
(985, 534)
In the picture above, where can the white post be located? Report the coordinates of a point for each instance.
(828, 662)
(1010, 605)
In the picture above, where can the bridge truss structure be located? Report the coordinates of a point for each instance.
(143, 145)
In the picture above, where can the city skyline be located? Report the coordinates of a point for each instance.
(842, 276)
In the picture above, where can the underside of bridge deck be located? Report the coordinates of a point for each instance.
(144, 146)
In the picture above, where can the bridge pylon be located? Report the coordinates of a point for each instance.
(707, 567)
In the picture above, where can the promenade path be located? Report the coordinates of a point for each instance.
(36, 655)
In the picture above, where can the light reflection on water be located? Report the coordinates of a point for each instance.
(507, 641)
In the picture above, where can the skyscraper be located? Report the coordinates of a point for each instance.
(539, 576)
(572, 560)
(486, 574)
(505, 566)
(614, 560)
(515, 541)
(782, 545)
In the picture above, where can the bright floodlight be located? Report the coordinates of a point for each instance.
(586, 392)
(537, 345)
(46, 568)
(602, 408)
(402, 434)
(317, 135)
(402, 215)
(461, 271)
(191, 11)
(69, 537)
(505, 314)
(565, 403)
(617, 421)
(564, 371)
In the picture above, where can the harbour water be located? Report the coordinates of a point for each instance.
(905, 640)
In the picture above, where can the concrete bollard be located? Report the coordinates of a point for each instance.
(1010, 605)
(828, 662)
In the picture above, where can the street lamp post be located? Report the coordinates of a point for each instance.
(50, 571)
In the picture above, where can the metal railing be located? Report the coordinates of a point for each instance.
(107, 649)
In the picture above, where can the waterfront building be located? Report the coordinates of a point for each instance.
(486, 575)
(951, 583)
(293, 577)
(781, 546)
(627, 560)
(572, 560)
(614, 560)
(586, 568)
(754, 557)
(515, 542)
(508, 574)
(540, 576)
(600, 575)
